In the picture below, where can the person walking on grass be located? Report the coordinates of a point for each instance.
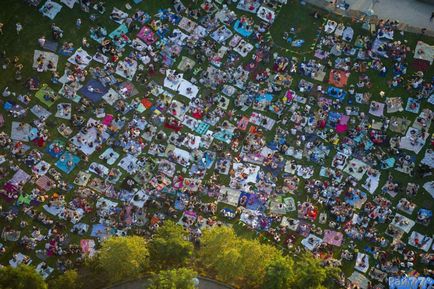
(1, 28)
(19, 28)
(78, 23)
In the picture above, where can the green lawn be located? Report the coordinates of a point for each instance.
(290, 16)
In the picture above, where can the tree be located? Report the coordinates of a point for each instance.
(250, 264)
(170, 247)
(310, 274)
(22, 277)
(279, 274)
(255, 258)
(174, 279)
(123, 257)
(67, 280)
(235, 260)
(219, 254)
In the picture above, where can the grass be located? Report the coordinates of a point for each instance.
(292, 15)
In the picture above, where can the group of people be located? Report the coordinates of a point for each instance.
(203, 124)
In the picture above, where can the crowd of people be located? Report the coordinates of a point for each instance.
(196, 114)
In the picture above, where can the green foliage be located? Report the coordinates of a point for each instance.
(123, 258)
(235, 260)
(255, 259)
(279, 274)
(250, 264)
(310, 274)
(67, 280)
(218, 253)
(170, 247)
(173, 279)
(22, 277)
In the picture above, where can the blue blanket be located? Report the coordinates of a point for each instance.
(50, 9)
(50, 45)
(336, 93)
(241, 29)
(67, 162)
(99, 90)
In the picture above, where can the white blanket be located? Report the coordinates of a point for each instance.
(69, 3)
(362, 263)
(85, 58)
(188, 89)
(48, 56)
(311, 242)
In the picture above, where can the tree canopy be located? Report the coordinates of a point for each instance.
(170, 247)
(236, 260)
(310, 274)
(173, 279)
(248, 263)
(243, 263)
(22, 277)
(123, 257)
(67, 280)
(279, 273)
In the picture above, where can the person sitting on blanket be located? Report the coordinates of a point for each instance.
(48, 97)
(55, 77)
(100, 7)
(67, 46)
(40, 67)
(56, 31)
(40, 59)
(336, 76)
(32, 84)
(99, 32)
(24, 98)
(50, 65)
(47, 8)
(375, 106)
(78, 60)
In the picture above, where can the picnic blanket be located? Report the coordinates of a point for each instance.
(93, 90)
(119, 37)
(424, 51)
(69, 3)
(67, 162)
(80, 58)
(147, 35)
(46, 58)
(50, 9)
(266, 14)
(50, 45)
(118, 15)
(251, 6)
(362, 262)
(127, 68)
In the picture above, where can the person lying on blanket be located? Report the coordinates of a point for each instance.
(47, 8)
(78, 59)
(48, 97)
(116, 16)
(93, 89)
